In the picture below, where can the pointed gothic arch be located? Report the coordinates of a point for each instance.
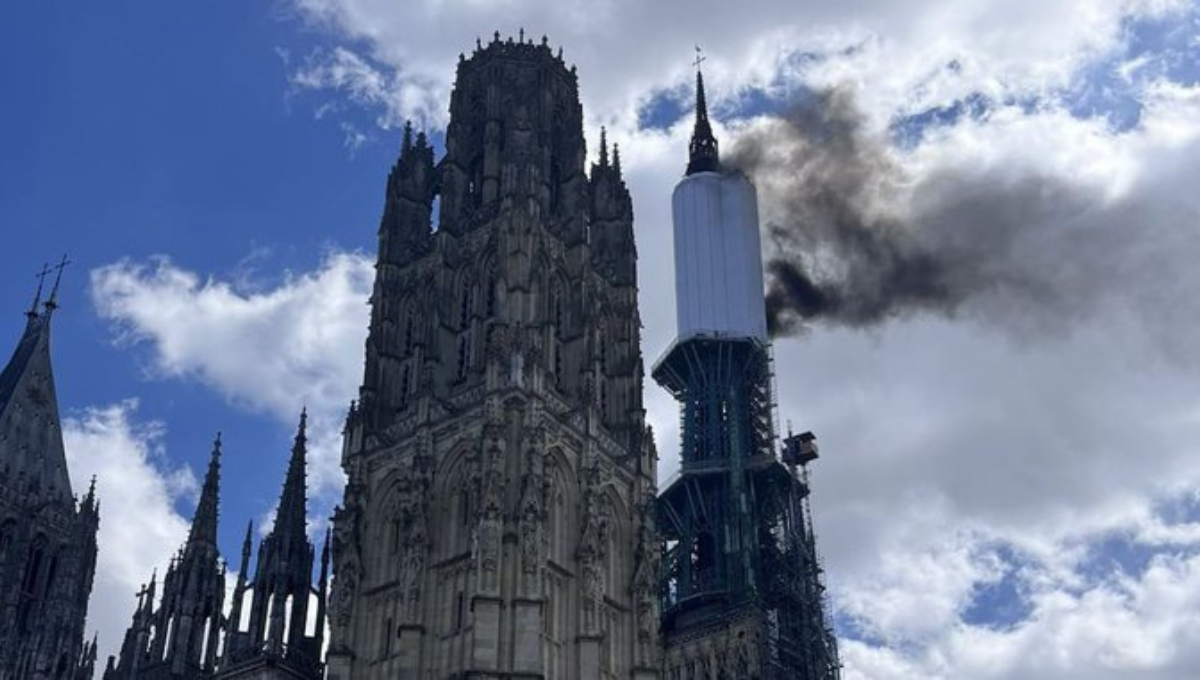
(619, 542)
(561, 503)
(455, 496)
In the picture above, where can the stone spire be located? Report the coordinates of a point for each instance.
(290, 519)
(47, 540)
(323, 587)
(406, 226)
(204, 522)
(276, 637)
(188, 622)
(702, 151)
(234, 636)
(87, 662)
(603, 147)
(31, 446)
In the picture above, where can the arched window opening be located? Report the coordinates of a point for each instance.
(7, 529)
(385, 639)
(466, 300)
(50, 574)
(464, 355)
(33, 568)
(204, 638)
(464, 507)
(557, 519)
(460, 612)
(408, 332)
(170, 635)
(612, 568)
(271, 604)
(557, 315)
(558, 363)
(490, 299)
(247, 607)
(287, 618)
(606, 645)
(405, 385)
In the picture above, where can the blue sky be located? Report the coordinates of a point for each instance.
(216, 171)
(168, 131)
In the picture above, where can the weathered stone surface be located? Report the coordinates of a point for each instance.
(47, 538)
(498, 455)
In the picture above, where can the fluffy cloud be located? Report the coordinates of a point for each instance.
(904, 55)
(138, 490)
(299, 343)
(992, 497)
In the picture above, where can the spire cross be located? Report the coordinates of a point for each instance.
(141, 594)
(700, 58)
(41, 277)
(52, 302)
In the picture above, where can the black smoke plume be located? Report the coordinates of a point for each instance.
(854, 239)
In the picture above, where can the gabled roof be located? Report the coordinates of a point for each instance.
(30, 430)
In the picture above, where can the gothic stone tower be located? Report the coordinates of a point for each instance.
(47, 539)
(187, 635)
(498, 516)
(179, 638)
(742, 590)
(279, 640)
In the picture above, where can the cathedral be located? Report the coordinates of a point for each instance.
(498, 520)
(501, 518)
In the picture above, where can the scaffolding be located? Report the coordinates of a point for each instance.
(736, 520)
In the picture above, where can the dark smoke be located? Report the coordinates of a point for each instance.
(856, 240)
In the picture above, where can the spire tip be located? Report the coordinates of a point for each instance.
(702, 151)
(52, 302)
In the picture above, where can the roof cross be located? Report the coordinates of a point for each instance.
(52, 303)
(141, 594)
(700, 58)
(37, 297)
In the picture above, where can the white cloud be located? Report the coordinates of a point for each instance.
(138, 491)
(272, 350)
(896, 52)
(1129, 628)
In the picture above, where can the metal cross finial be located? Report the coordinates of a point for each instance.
(52, 303)
(37, 297)
(700, 58)
(141, 594)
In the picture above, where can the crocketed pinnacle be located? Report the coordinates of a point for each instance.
(290, 519)
(204, 523)
(702, 151)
